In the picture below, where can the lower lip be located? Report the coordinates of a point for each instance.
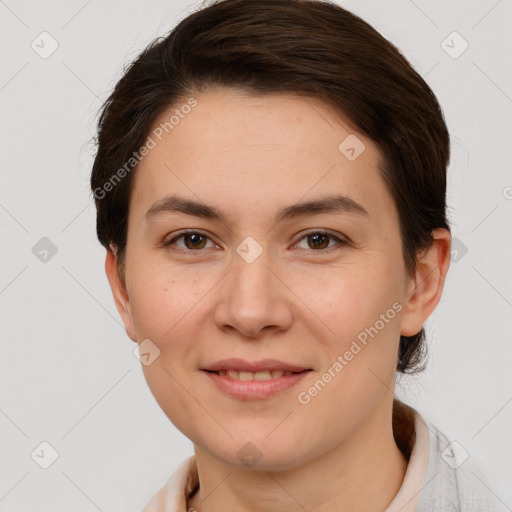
(254, 389)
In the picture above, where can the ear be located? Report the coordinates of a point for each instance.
(120, 294)
(425, 288)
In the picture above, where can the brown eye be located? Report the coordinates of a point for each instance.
(320, 240)
(192, 241)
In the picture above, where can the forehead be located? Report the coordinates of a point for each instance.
(266, 150)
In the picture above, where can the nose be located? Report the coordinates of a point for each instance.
(254, 300)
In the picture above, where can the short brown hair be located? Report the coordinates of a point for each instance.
(309, 47)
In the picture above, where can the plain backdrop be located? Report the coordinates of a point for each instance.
(68, 375)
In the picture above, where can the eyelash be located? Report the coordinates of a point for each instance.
(169, 243)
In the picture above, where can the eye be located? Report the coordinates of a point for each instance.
(193, 242)
(319, 241)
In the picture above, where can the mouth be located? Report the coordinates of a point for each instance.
(260, 375)
(258, 380)
(263, 369)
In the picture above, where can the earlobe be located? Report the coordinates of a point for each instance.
(119, 293)
(427, 285)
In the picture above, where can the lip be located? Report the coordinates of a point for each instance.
(254, 389)
(255, 366)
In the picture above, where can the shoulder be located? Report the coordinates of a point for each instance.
(171, 497)
(453, 480)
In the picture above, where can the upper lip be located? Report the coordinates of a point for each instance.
(254, 366)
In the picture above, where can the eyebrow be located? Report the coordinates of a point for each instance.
(329, 204)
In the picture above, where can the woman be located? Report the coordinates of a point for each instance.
(270, 186)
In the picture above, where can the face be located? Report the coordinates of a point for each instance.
(259, 275)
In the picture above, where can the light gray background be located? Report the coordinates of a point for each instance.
(68, 375)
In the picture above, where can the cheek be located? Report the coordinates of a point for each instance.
(163, 299)
(168, 308)
(345, 300)
(361, 309)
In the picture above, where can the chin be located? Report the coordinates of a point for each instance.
(260, 454)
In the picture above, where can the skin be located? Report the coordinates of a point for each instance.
(249, 157)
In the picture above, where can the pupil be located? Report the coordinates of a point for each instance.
(318, 237)
(195, 238)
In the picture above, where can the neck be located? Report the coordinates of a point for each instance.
(364, 472)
